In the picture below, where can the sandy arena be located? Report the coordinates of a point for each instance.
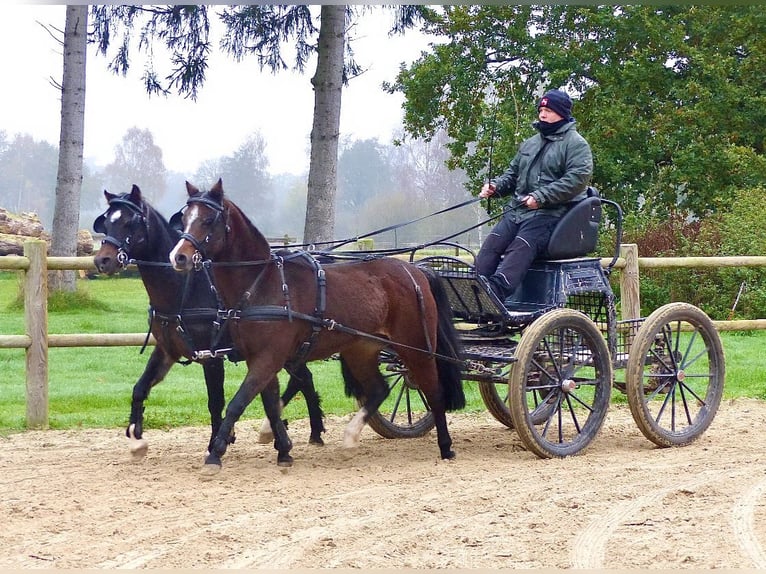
(76, 499)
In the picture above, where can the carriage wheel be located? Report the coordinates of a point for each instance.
(405, 412)
(495, 397)
(675, 375)
(561, 384)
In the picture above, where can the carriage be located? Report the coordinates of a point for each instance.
(546, 359)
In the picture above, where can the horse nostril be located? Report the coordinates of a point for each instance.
(180, 259)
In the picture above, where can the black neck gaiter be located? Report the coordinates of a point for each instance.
(547, 129)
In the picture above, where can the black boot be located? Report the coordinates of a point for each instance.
(498, 285)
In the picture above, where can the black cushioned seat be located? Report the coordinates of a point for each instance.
(576, 234)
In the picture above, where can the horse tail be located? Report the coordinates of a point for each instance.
(351, 384)
(448, 347)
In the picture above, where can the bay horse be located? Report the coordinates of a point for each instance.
(285, 303)
(183, 314)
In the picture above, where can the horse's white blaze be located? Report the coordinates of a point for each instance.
(115, 216)
(354, 429)
(191, 215)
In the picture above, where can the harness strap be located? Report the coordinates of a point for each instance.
(319, 309)
(277, 313)
(422, 306)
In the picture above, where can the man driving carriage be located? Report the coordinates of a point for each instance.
(550, 169)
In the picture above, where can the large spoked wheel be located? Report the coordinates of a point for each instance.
(405, 412)
(560, 386)
(495, 397)
(675, 375)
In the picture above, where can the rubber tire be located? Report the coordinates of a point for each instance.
(563, 418)
(389, 422)
(496, 405)
(709, 380)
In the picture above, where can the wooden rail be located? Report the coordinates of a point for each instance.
(35, 264)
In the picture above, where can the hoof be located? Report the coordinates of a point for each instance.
(316, 441)
(265, 437)
(209, 471)
(138, 446)
(449, 455)
(285, 461)
(349, 452)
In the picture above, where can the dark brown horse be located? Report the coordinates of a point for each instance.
(283, 304)
(183, 312)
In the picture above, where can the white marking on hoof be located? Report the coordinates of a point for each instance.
(266, 435)
(138, 446)
(354, 430)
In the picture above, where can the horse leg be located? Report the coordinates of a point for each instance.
(301, 380)
(214, 381)
(157, 367)
(429, 383)
(272, 406)
(363, 379)
(242, 398)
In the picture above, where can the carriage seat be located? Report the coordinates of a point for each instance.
(577, 233)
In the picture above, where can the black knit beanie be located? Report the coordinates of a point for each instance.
(557, 101)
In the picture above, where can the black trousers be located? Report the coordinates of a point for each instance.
(509, 249)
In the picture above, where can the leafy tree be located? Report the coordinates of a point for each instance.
(363, 172)
(28, 176)
(66, 215)
(665, 94)
(260, 30)
(246, 179)
(137, 160)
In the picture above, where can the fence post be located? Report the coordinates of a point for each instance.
(630, 291)
(36, 321)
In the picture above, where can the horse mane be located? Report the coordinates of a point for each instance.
(154, 219)
(231, 206)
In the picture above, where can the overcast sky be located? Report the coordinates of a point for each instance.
(236, 100)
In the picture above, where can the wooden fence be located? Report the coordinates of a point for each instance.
(35, 264)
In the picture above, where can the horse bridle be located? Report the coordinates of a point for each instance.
(123, 247)
(199, 246)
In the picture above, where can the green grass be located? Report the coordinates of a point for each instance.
(91, 386)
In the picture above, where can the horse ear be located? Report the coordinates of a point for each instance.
(191, 190)
(99, 226)
(217, 189)
(109, 196)
(135, 194)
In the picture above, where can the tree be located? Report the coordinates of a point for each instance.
(246, 179)
(259, 30)
(28, 175)
(137, 160)
(66, 216)
(664, 94)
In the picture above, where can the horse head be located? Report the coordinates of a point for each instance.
(207, 225)
(124, 225)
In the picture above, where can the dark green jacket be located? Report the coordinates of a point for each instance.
(555, 169)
